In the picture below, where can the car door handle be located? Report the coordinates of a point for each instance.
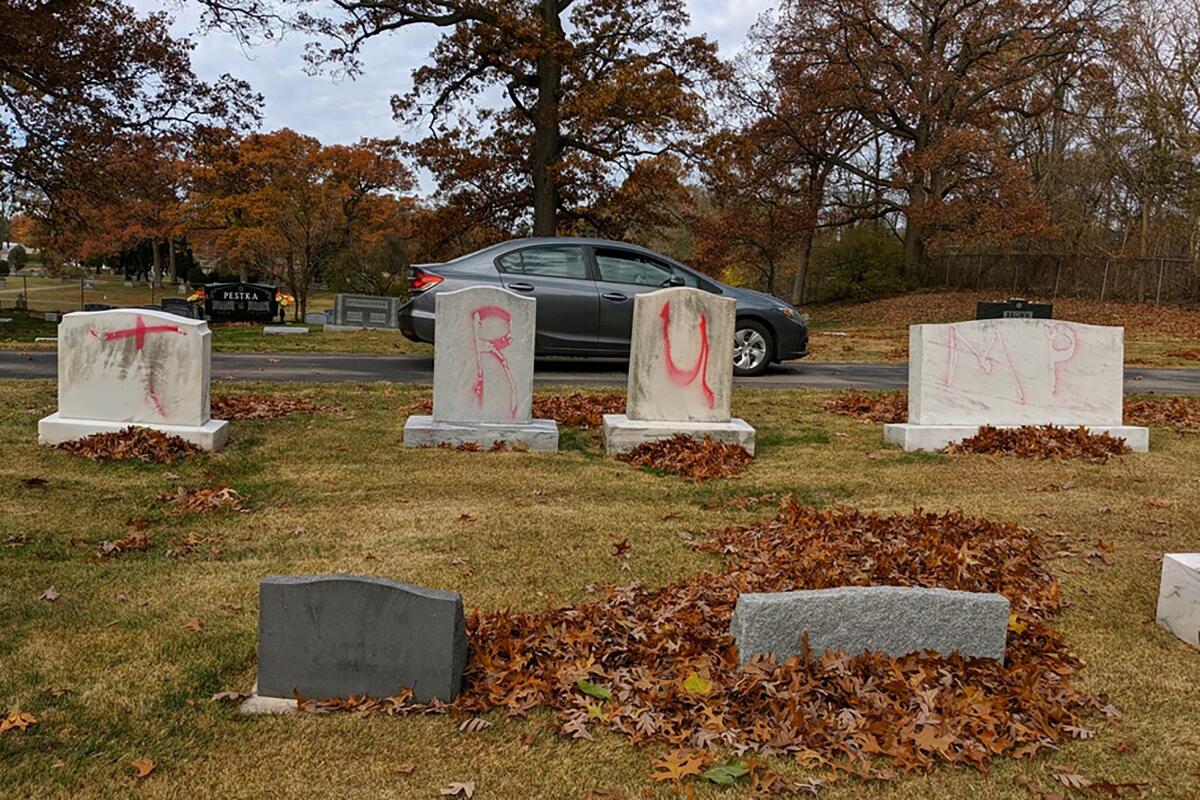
(521, 287)
(614, 296)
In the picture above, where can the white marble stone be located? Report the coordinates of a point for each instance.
(681, 356)
(133, 367)
(1013, 372)
(621, 434)
(936, 437)
(483, 359)
(1179, 596)
(536, 434)
(283, 330)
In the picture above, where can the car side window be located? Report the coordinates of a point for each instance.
(688, 279)
(624, 266)
(547, 261)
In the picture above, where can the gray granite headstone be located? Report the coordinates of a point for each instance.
(365, 311)
(332, 635)
(894, 620)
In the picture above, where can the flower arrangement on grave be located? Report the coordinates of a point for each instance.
(196, 296)
(284, 299)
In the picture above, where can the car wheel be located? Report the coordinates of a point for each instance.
(753, 348)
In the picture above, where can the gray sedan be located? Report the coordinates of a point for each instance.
(585, 290)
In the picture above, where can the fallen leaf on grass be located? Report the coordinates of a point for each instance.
(1067, 775)
(231, 606)
(593, 689)
(49, 595)
(879, 407)
(679, 764)
(142, 444)
(17, 720)
(202, 501)
(463, 789)
(406, 769)
(696, 684)
(143, 767)
(229, 697)
(726, 774)
(193, 624)
(1042, 441)
(695, 459)
(475, 725)
(261, 406)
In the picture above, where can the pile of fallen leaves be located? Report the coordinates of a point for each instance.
(1042, 441)
(882, 407)
(695, 459)
(659, 665)
(144, 444)
(578, 410)
(1178, 413)
(201, 501)
(260, 406)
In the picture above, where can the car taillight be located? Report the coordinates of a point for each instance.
(419, 280)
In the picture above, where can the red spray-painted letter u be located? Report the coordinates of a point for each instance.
(684, 377)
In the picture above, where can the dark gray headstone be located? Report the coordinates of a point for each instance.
(366, 311)
(332, 635)
(894, 620)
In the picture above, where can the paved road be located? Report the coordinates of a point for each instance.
(334, 367)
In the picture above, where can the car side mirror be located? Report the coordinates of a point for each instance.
(674, 280)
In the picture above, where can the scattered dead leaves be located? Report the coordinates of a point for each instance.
(261, 406)
(881, 407)
(1042, 441)
(1177, 413)
(142, 767)
(50, 595)
(16, 721)
(143, 444)
(695, 459)
(459, 789)
(859, 714)
(578, 410)
(202, 501)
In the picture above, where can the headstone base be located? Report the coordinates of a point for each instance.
(329, 328)
(622, 434)
(54, 429)
(257, 705)
(936, 437)
(283, 330)
(537, 434)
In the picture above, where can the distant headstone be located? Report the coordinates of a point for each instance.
(680, 371)
(128, 284)
(283, 330)
(133, 367)
(314, 318)
(894, 620)
(1179, 596)
(50, 316)
(182, 308)
(244, 302)
(483, 373)
(97, 307)
(180, 289)
(1014, 308)
(1012, 372)
(329, 636)
(354, 311)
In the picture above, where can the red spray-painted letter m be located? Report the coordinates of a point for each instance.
(685, 377)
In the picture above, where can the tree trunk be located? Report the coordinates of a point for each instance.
(802, 258)
(156, 270)
(174, 265)
(546, 144)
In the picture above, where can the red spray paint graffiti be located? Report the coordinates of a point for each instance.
(494, 347)
(1063, 345)
(139, 332)
(684, 377)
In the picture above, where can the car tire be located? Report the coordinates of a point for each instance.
(753, 348)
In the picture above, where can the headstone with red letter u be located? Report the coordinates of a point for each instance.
(483, 374)
(133, 367)
(680, 372)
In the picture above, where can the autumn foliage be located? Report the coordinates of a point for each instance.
(142, 444)
(881, 407)
(695, 459)
(1042, 441)
(260, 406)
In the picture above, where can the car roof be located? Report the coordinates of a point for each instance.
(516, 244)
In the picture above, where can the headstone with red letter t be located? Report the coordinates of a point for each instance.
(680, 372)
(483, 375)
(133, 367)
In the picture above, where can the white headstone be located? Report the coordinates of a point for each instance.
(483, 363)
(133, 367)
(483, 374)
(1013, 372)
(1179, 596)
(681, 356)
(680, 372)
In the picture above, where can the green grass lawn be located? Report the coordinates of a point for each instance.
(112, 674)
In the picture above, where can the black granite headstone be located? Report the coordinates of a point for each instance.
(329, 636)
(247, 302)
(1014, 308)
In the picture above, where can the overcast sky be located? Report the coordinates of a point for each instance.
(346, 111)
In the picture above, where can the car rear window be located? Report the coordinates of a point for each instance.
(548, 261)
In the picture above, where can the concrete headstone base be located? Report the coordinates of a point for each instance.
(622, 434)
(331, 328)
(1179, 596)
(936, 437)
(256, 704)
(55, 429)
(537, 434)
(283, 330)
